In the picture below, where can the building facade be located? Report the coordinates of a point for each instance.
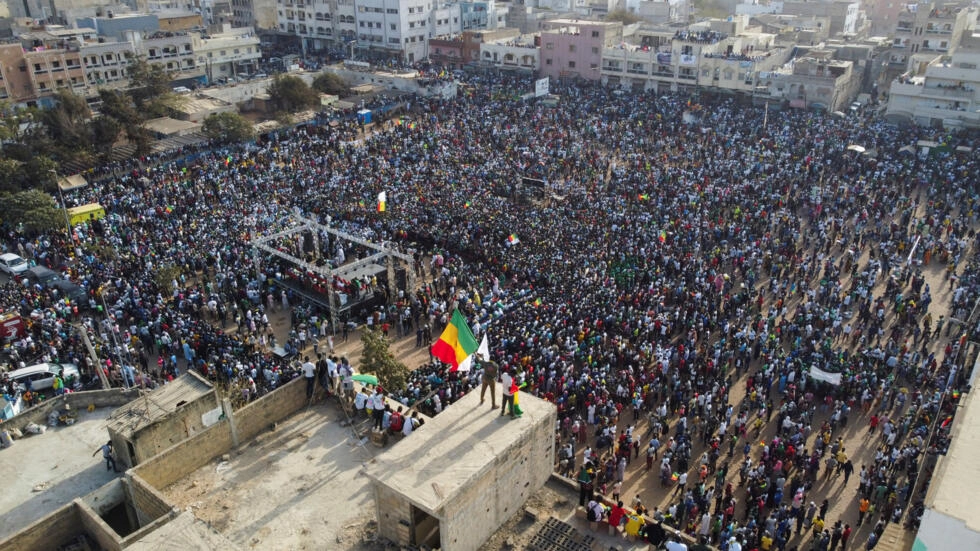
(946, 94)
(573, 49)
(922, 33)
(373, 29)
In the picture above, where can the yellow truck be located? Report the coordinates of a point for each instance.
(85, 213)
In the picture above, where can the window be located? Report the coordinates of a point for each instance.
(571, 47)
(595, 50)
(549, 46)
(571, 64)
(595, 34)
(393, 26)
(237, 51)
(547, 61)
(224, 52)
(393, 11)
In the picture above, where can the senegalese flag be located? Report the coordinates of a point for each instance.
(512, 239)
(456, 343)
(644, 197)
(467, 205)
(361, 203)
(663, 236)
(537, 302)
(382, 199)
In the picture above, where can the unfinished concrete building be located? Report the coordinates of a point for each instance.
(162, 418)
(459, 477)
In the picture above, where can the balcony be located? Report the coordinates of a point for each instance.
(683, 76)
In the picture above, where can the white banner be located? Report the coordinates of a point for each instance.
(541, 87)
(818, 374)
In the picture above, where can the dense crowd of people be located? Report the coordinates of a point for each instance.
(672, 254)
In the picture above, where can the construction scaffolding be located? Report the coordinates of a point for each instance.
(383, 259)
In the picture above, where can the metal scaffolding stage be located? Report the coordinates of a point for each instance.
(383, 259)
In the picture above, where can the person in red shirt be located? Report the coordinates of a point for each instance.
(616, 515)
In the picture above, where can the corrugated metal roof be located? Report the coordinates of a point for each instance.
(157, 404)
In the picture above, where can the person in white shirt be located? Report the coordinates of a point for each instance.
(360, 402)
(309, 372)
(378, 407)
(508, 403)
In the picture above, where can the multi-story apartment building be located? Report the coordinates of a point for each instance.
(843, 14)
(573, 48)
(519, 53)
(46, 61)
(815, 81)
(947, 93)
(105, 64)
(377, 29)
(230, 53)
(923, 33)
(698, 59)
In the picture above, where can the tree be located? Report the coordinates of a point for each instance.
(228, 127)
(34, 209)
(67, 122)
(291, 94)
(331, 83)
(376, 358)
(623, 16)
(149, 87)
(122, 109)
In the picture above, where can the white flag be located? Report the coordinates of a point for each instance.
(483, 352)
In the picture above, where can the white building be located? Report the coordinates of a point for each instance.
(951, 520)
(372, 28)
(227, 54)
(517, 53)
(947, 94)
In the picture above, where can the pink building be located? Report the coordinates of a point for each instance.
(573, 48)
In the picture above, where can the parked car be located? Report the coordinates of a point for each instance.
(42, 375)
(40, 275)
(13, 264)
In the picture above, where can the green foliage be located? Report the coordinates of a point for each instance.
(122, 109)
(291, 94)
(34, 209)
(164, 274)
(149, 87)
(11, 175)
(376, 358)
(331, 83)
(228, 127)
(623, 16)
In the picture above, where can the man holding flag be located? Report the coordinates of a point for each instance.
(457, 347)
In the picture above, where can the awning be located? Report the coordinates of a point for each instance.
(68, 183)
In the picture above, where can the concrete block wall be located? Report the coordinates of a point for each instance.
(177, 426)
(150, 504)
(181, 460)
(259, 415)
(78, 401)
(50, 532)
(394, 515)
(106, 497)
(502, 489)
(98, 529)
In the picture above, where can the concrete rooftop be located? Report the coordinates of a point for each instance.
(45, 471)
(448, 453)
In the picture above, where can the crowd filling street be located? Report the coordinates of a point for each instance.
(752, 331)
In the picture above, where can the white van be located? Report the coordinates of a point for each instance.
(42, 375)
